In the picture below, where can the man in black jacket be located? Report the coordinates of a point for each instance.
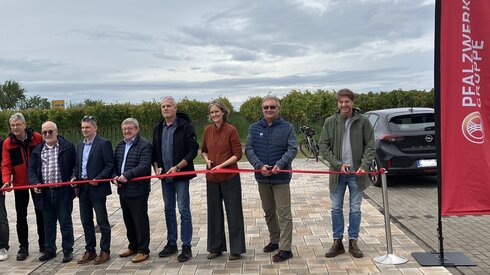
(174, 149)
(133, 159)
(53, 161)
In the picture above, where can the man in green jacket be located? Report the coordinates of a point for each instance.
(347, 143)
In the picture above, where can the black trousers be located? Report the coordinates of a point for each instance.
(229, 192)
(21, 204)
(135, 215)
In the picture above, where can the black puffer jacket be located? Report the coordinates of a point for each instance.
(185, 144)
(138, 164)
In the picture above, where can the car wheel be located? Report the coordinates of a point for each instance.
(375, 166)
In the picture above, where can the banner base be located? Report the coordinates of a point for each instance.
(450, 259)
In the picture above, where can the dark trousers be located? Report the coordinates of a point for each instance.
(4, 224)
(229, 192)
(21, 204)
(87, 207)
(58, 207)
(135, 215)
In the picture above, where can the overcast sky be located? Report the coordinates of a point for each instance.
(133, 51)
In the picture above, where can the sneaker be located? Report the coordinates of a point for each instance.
(3, 254)
(282, 256)
(168, 250)
(354, 249)
(186, 253)
(22, 254)
(271, 247)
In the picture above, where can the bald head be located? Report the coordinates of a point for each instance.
(50, 133)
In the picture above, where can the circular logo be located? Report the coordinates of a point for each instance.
(429, 138)
(472, 128)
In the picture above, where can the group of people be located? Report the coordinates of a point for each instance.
(31, 158)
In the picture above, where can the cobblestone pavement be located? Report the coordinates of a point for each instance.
(413, 206)
(311, 237)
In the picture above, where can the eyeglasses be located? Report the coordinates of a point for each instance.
(272, 107)
(89, 118)
(50, 132)
(128, 129)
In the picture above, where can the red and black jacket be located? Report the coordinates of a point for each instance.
(16, 155)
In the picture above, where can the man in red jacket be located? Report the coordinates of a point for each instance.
(16, 153)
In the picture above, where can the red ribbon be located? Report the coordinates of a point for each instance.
(186, 173)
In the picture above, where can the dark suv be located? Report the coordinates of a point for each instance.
(404, 140)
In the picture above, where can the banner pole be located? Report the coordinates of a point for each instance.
(441, 258)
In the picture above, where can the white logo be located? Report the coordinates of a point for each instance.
(472, 128)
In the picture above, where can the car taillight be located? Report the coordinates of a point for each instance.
(391, 137)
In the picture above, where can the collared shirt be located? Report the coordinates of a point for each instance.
(126, 150)
(86, 150)
(168, 145)
(49, 163)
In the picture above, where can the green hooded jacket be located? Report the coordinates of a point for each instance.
(362, 144)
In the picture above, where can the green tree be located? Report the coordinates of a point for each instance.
(34, 102)
(11, 92)
(252, 108)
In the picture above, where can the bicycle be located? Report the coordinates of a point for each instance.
(308, 145)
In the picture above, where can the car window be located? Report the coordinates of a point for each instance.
(373, 118)
(413, 122)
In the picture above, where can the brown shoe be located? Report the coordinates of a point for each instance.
(354, 249)
(336, 249)
(87, 257)
(127, 253)
(140, 257)
(102, 258)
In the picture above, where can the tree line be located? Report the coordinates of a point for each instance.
(298, 107)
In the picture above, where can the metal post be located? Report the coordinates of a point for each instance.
(389, 258)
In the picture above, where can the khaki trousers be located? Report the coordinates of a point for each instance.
(276, 203)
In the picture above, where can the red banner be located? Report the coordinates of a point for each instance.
(465, 106)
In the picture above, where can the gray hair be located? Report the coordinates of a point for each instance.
(17, 116)
(131, 120)
(221, 106)
(272, 97)
(169, 98)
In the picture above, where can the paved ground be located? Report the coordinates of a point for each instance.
(311, 238)
(413, 205)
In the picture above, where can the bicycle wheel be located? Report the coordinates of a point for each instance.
(304, 147)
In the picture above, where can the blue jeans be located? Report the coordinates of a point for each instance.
(59, 207)
(171, 191)
(337, 201)
(87, 207)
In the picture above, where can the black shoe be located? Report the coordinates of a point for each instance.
(67, 257)
(22, 254)
(168, 250)
(282, 256)
(47, 256)
(186, 253)
(271, 247)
